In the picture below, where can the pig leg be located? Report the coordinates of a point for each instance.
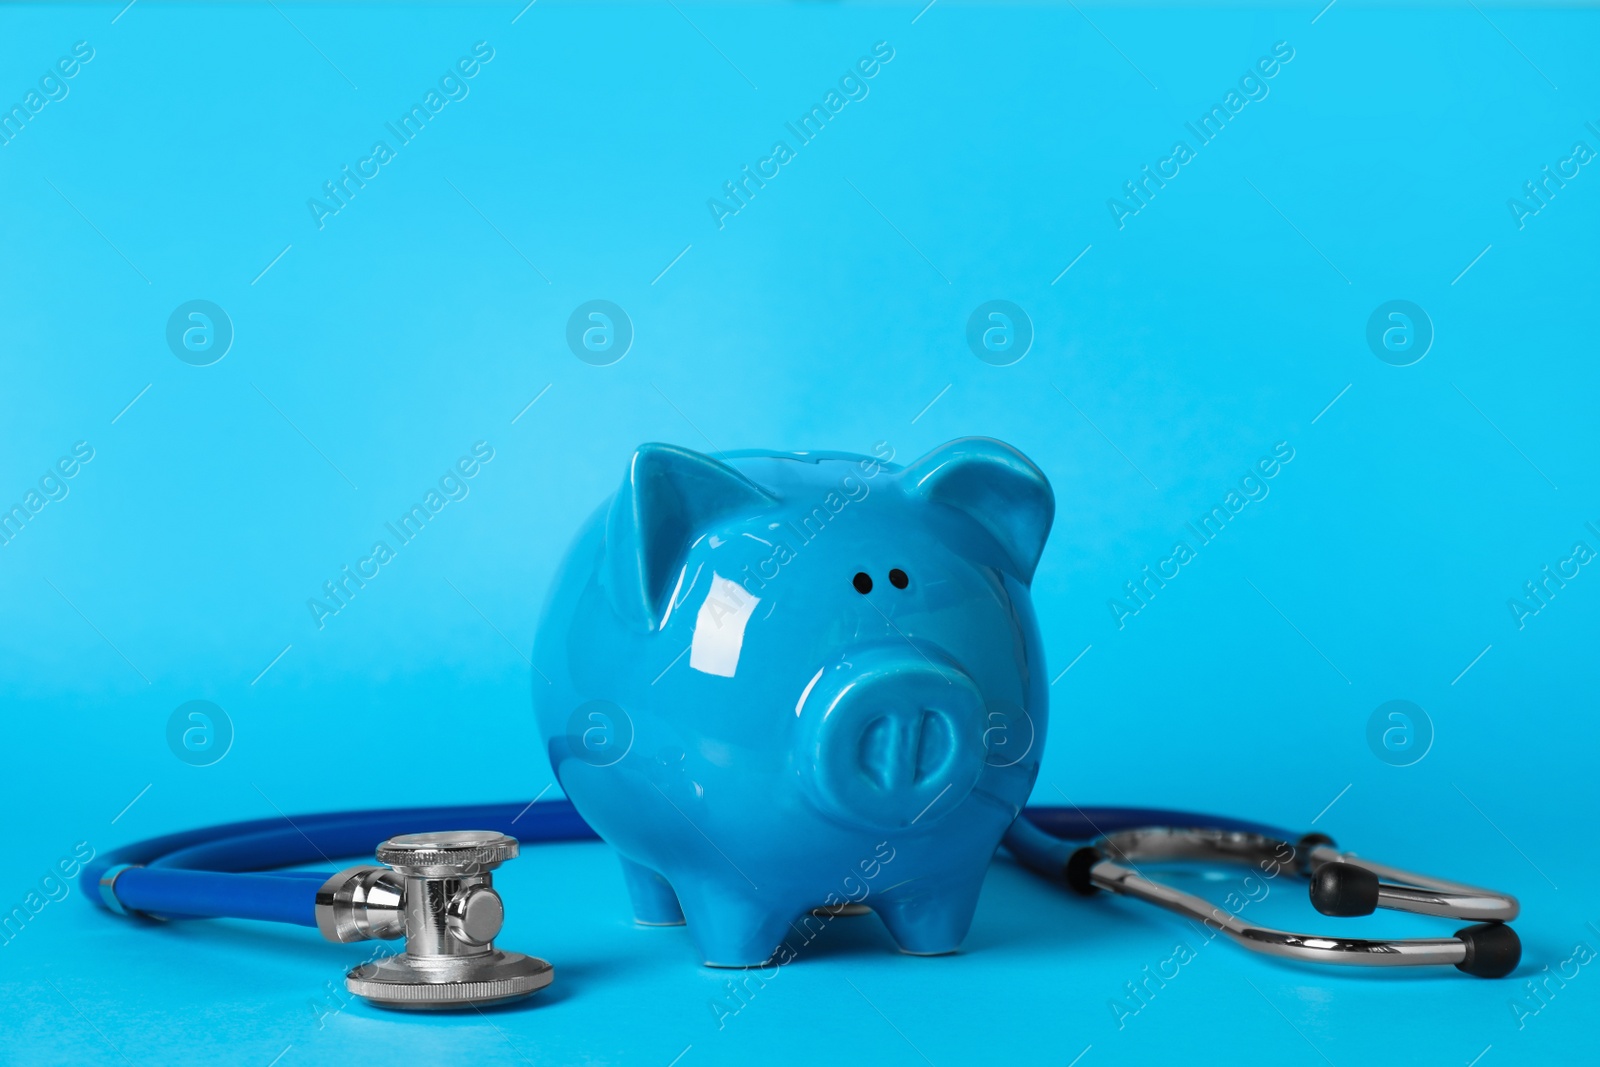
(733, 927)
(930, 921)
(654, 902)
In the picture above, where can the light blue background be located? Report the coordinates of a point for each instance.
(828, 313)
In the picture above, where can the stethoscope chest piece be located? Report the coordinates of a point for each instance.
(437, 892)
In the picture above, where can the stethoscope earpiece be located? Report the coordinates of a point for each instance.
(1342, 884)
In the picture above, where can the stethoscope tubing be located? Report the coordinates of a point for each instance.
(238, 870)
(234, 870)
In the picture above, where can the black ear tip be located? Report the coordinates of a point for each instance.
(1344, 889)
(1493, 950)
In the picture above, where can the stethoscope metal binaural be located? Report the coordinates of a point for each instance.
(1341, 884)
(436, 889)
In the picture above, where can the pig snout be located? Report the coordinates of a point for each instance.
(891, 737)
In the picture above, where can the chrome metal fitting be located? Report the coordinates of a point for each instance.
(438, 893)
(362, 904)
(1341, 884)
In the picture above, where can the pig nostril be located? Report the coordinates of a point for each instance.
(875, 755)
(933, 746)
(898, 579)
(863, 582)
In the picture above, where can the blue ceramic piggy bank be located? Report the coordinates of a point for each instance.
(775, 682)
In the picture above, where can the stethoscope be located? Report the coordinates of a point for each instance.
(436, 890)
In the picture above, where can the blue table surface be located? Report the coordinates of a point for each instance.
(1429, 541)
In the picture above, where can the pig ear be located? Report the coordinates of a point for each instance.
(670, 496)
(997, 486)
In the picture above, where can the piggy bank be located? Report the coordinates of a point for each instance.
(782, 682)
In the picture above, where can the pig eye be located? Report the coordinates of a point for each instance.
(898, 579)
(863, 582)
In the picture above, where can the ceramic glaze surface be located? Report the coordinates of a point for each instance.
(781, 681)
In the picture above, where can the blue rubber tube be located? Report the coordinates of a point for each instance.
(1044, 838)
(222, 871)
(229, 871)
